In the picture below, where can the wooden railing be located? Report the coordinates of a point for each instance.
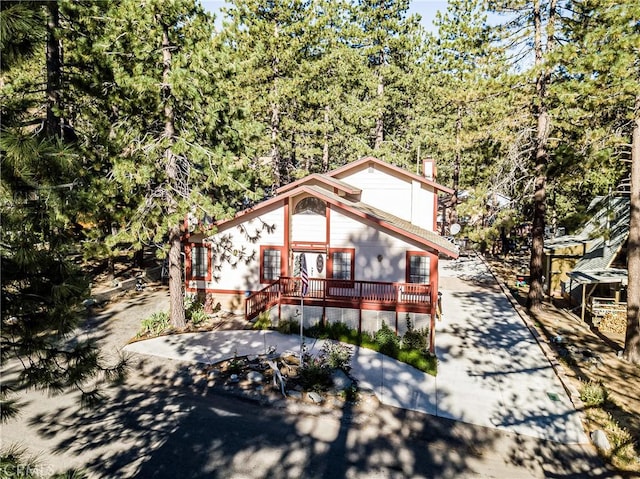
(340, 293)
(261, 300)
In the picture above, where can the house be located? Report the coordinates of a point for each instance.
(590, 267)
(366, 232)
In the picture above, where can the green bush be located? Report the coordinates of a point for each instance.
(288, 326)
(315, 373)
(387, 340)
(414, 338)
(418, 358)
(338, 355)
(155, 324)
(593, 393)
(194, 310)
(263, 321)
(198, 316)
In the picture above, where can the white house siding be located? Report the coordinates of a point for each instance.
(291, 312)
(383, 190)
(347, 316)
(369, 243)
(244, 277)
(372, 320)
(308, 227)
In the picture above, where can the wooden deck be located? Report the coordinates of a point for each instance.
(334, 293)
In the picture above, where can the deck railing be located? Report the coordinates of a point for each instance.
(337, 292)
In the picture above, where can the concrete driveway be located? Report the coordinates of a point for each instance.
(491, 371)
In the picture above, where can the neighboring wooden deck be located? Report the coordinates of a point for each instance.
(334, 293)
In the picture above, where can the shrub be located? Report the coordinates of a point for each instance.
(337, 331)
(593, 393)
(194, 310)
(414, 338)
(315, 373)
(155, 324)
(338, 356)
(387, 340)
(289, 326)
(198, 316)
(263, 321)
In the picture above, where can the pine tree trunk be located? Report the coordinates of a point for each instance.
(176, 297)
(53, 126)
(380, 117)
(275, 121)
(325, 146)
(632, 337)
(541, 156)
(456, 168)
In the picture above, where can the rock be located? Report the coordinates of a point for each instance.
(340, 380)
(255, 377)
(315, 397)
(600, 440)
(234, 378)
(213, 374)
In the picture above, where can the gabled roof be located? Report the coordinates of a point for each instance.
(384, 220)
(366, 161)
(611, 219)
(388, 221)
(324, 179)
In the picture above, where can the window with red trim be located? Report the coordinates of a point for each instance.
(199, 262)
(418, 267)
(270, 263)
(341, 264)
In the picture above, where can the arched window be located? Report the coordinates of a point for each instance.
(310, 205)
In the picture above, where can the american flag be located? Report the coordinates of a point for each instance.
(304, 274)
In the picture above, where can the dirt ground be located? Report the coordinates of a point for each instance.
(586, 354)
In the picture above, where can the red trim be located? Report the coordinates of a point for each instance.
(287, 235)
(188, 248)
(314, 192)
(327, 180)
(384, 224)
(328, 227)
(435, 211)
(407, 268)
(282, 261)
(308, 246)
(330, 261)
(367, 160)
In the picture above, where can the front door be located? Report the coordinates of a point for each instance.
(316, 264)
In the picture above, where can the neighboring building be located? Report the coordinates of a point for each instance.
(592, 264)
(368, 234)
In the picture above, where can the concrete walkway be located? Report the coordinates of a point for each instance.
(491, 371)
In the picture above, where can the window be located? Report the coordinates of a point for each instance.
(418, 268)
(270, 267)
(341, 264)
(311, 205)
(199, 262)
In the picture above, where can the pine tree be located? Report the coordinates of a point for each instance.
(388, 41)
(42, 286)
(177, 133)
(602, 62)
(466, 74)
